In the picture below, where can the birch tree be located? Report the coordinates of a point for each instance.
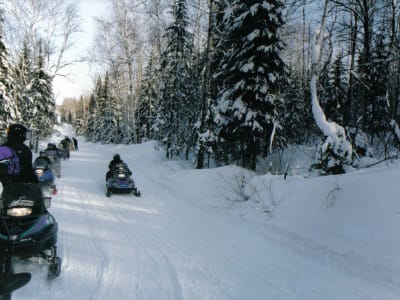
(54, 24)
(336, 152)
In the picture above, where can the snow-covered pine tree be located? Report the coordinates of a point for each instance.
(297, 116)
(178, 108)
(40, 91)
(252, 73)
(23, 76)
(378, 111)
(92, 119)
(80, 122)
(148, 100)
(107, 115)
(8, 109)
(335, 91)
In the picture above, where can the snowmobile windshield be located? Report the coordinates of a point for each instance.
(23, 195)
(41, 163)
(121, 167)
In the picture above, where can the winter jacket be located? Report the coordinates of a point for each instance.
(25, 161)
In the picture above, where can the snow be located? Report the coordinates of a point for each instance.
(331, 237)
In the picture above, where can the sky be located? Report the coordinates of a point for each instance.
(79, 80)
(190, 236)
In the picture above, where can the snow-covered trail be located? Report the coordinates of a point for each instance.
(179, 241)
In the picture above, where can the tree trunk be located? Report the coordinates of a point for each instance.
(205, 90)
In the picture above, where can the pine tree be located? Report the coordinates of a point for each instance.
(178, 107)
(205, 127)
(335, 92)
(378, 110)
(42, 99)
(297, 116)
(8, 109)
(107, 124)
(91, 119)
(252, 72)
(148, 100)
(80, 122)
(24, 72)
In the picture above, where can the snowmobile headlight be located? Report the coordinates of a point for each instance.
(121, 175)
(19, 211)
(39, 171)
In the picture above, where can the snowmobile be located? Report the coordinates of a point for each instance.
(119, 180)
(54, 155)
(27, 229)
(45, 175)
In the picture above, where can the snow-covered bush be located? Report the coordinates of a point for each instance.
(333, 155)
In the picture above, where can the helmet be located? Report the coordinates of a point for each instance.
(51, 146)
(42, 153)
(17, 131)
(116, 157)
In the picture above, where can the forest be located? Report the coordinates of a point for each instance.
(215, 81)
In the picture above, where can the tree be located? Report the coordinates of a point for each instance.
(54, 24)
(92, 119)
(23, 77)
(41, 96)
(118, 51)
(178, 102)
(334, 98)
(8, 110)
(252, 74)
(336, 152)
(206, 137)
(378, 110)
(107, 124)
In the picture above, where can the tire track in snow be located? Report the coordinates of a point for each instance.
(149, 255)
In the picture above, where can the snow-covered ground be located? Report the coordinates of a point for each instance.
(333, 237)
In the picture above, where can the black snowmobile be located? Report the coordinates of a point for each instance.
(119, 180)
(27, 229)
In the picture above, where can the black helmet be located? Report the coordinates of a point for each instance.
(17, 131)
(116, 157)
(51, 146)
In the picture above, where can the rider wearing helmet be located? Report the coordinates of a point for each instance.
(43, 159)
(16, 135)
(115, 161)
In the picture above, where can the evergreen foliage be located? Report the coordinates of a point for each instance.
(41, 96)
(252, 74)
(8, 108)
(106, 114)
(178, 107)
(224, 103)
(92, 119)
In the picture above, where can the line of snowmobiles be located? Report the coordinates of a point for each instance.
(27, 228)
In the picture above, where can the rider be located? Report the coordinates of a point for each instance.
(116, 161)
(16, 135)
(54, 155)
(43, 160)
